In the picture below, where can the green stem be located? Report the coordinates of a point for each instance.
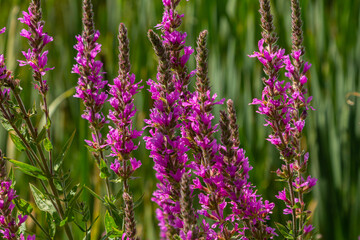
(292, 200)
(43, 159)
(61, 211)
(107, 183)
(291, 188)
(39, 225)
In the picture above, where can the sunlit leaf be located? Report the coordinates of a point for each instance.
(29, 169)
(17, 142)
(23, 206)
(42, 201)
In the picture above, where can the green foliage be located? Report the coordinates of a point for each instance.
(17, 142)
(104, 170)
(47, 145)
(111, 227)
(29, 169)
(23, 206)
(284, 231)
(42, 202)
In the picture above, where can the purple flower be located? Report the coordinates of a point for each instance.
(167, 150)
(174, 41)
(285, 105)
(282, 195)
(8, 225)
(35, 57)
(120, 139)
(308, 228)
(28, 237)
(2, 30)
(91, 84)
(300, 183)
(224, 178)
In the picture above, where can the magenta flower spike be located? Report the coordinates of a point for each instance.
(90, 83)
(248, 208)
(222, 169)
(174, 41)
(35, 57)
(285, 106)
(166, 147)
(120, 138)
(9, 225)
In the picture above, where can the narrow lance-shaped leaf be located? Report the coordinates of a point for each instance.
(29, 169)
(59, 160)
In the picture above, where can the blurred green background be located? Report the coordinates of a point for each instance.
(332, 40)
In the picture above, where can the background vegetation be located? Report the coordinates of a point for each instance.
(332, 39)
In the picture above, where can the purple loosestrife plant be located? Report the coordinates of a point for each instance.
(91, 85)
(166, 147)
(120, 139)
(17, 120)
(174, 41)
(200, 138)
(189, 230)
(285, 106)
(247, 206)
(36, 57)
(222, 169)
(9, 226)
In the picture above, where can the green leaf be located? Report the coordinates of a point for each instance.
(43, 203)
(95, 194)
(91, 149)
(48, 124)
(41, 135)
(29, 169)
(114, 210)
(59, 160)
(73, 192)
(51, 223)
(58, 185)
(63, 222)
(72, 198)
(33, 110)
(87, 235)
(47, 145)
(111, 226)
(23, 206)
(5, 123)
(104, 171)
(296, 205)
(284, 231)
(12, 177)
(117, 180)
(110, 203)
(17, 142)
